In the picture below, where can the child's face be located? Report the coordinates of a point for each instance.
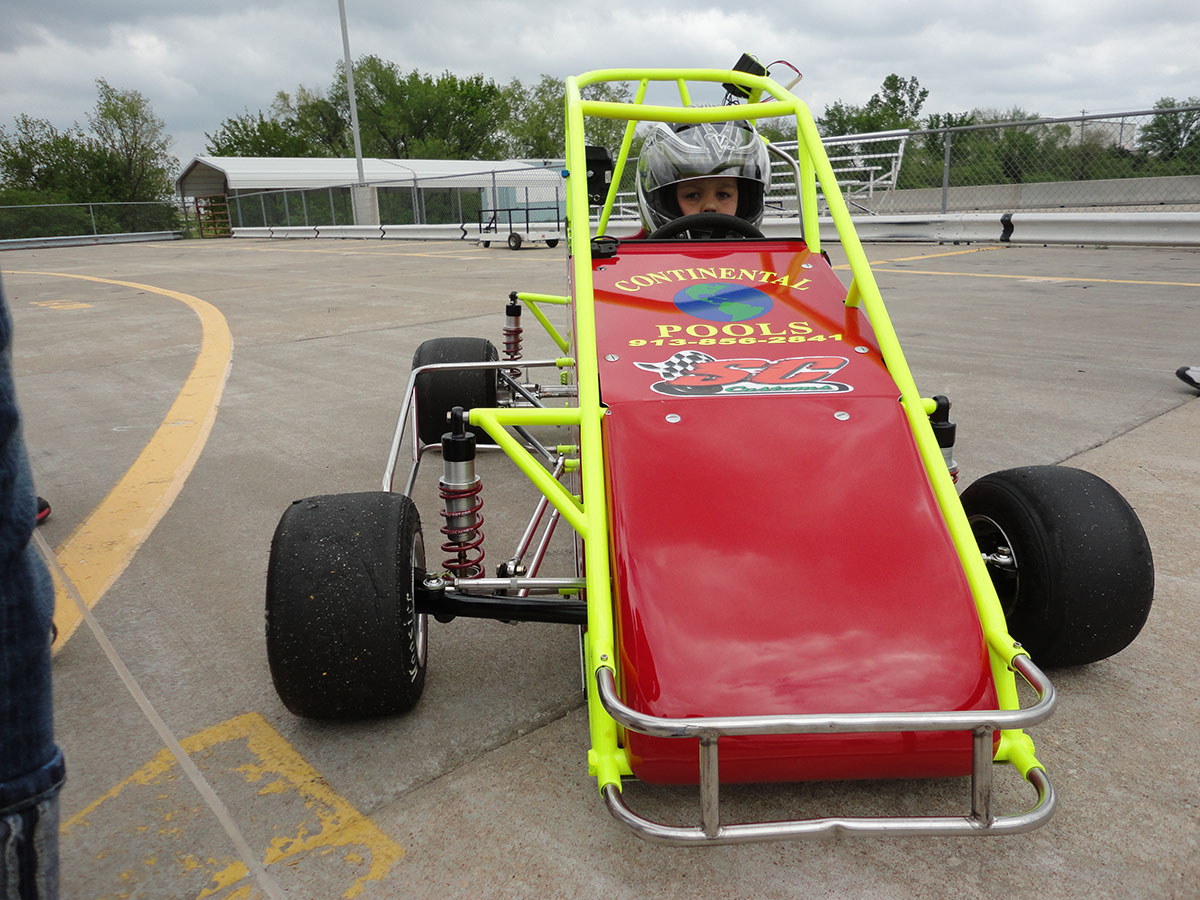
(716, 194)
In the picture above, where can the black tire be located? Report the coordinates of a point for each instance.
(440, 392)
(514, 241)
(1080, 581)
(486, 244)
(552, 243)
(344, 639)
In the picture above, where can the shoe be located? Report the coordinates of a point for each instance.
(1189, 375)
(43, 510)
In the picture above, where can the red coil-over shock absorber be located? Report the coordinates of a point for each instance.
(512, 328)
(460, 490)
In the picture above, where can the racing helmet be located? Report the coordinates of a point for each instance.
(677, 152)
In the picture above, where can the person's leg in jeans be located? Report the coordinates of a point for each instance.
(31, 766)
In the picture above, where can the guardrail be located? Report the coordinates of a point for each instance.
(84, 239)
(364, 232)
(1095, 229)
(1149, 229)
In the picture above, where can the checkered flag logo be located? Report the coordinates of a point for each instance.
(680, 364)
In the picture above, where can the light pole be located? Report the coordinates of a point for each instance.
(363, 200)
(350, 90)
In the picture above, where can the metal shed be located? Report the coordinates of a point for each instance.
(206, 175)
(403, 188)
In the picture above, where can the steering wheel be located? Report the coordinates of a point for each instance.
(717, 225)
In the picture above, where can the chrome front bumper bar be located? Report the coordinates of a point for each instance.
(981, 723)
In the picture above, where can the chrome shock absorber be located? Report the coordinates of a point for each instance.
(460, 489)
(512, 330)
(945, 431)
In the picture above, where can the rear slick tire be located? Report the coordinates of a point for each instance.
(438, 392)
(344, 639)
(1069, 560)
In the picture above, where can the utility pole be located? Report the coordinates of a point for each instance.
(350, 90)
(364, 202)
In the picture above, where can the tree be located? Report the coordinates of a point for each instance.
(131, 144)
(897, 104)
(316, 120)
(40, 161)
(1168, 134)
(777, 130)
(935, 143)
(124, 157)
(537, 124)
(253, 134)
(417, 116)
(536, 127)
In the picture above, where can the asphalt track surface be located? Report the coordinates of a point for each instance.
(169, 453)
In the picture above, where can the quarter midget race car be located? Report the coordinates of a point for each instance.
(775, 577)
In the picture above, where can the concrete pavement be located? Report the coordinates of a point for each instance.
(1050, 355)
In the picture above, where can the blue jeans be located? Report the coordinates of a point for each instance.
(31, 766)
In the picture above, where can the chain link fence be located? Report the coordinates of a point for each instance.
(273, 209)
(483, 202)
(1144, 160)
(51, 220)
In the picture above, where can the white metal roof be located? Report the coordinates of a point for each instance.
(242, 173)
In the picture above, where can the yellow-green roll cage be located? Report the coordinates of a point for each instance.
(587, 512)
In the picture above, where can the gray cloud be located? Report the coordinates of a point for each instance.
(200, 65)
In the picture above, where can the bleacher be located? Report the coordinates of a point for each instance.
(866, 165)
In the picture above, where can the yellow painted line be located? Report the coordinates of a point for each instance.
(62, 304)
(920, 256)
(260, 758)
(102, 546)
(1051, 278)
(876, 266)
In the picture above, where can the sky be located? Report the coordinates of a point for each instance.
(200, 63)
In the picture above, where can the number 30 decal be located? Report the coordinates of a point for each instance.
(694, 373)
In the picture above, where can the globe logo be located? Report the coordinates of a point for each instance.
(723, 302)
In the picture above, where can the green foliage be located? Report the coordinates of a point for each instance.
(777, 130)
(537, 125)
(934, 144)
(316, 121)
(896, 104)
(1167, 136)
(131, 151)
(1023, 153)
(124, 157)
(253, 134)
(38, 160)
(412, 115)
(417, 116)
(41, 221)
(899, 100)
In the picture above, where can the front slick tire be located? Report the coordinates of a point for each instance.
(344, 639)
(1069, 559)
